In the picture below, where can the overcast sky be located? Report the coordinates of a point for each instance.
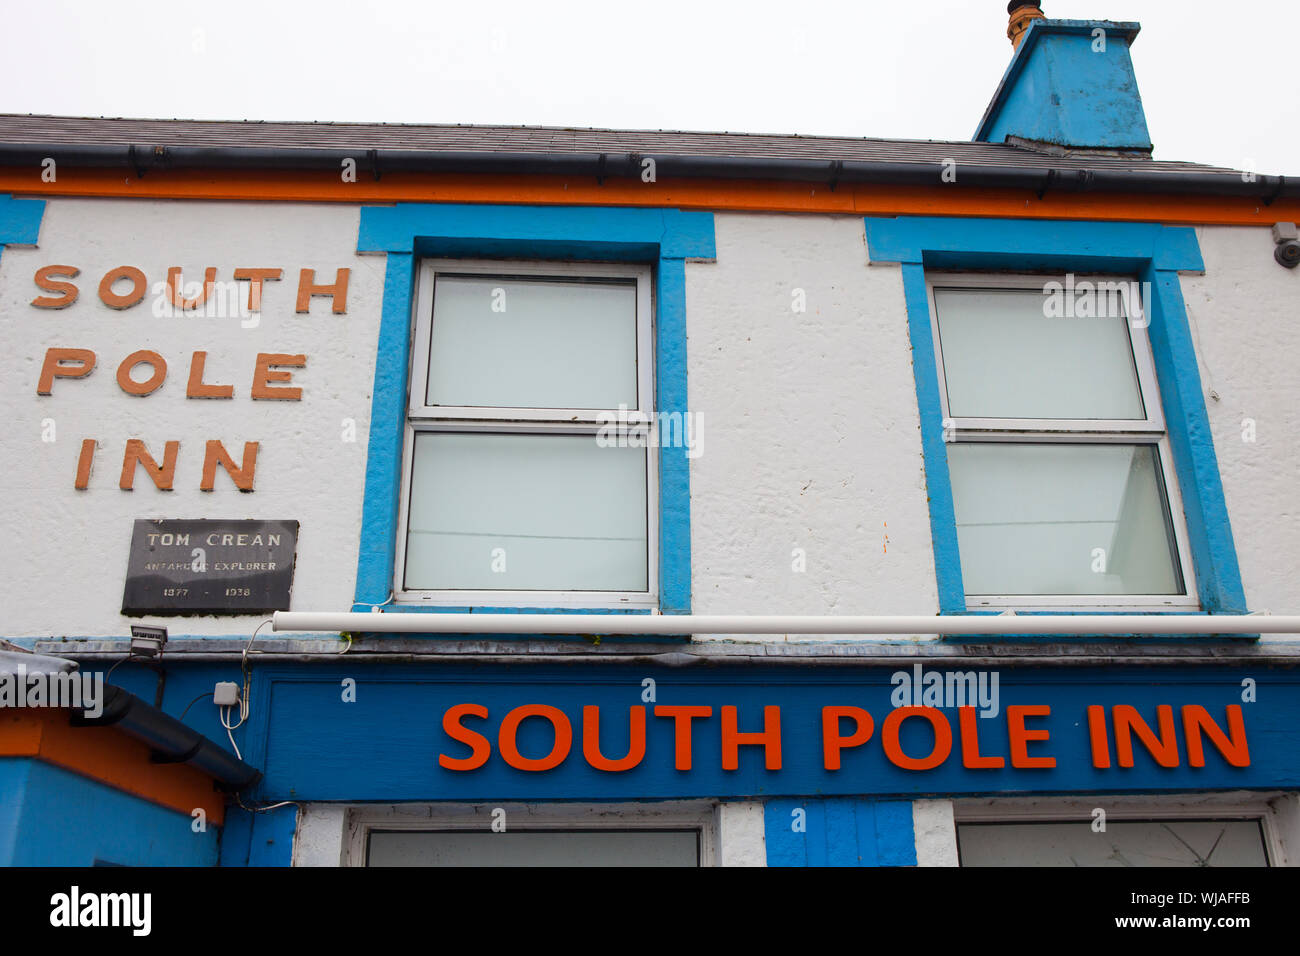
(1218, 80)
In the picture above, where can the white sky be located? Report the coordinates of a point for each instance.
(1217, 79)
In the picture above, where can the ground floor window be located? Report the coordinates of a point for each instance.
(534, 848)
(677, 834)
(1123, 843)
(1174, 831)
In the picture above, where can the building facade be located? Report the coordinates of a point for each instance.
(543, 437)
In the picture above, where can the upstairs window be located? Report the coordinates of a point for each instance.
(1063, 489)
(510, 496)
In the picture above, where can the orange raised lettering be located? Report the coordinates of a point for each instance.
(45, 279)
(479, 748)
(509, 750)
(591, 740)
(53, 367)
(893, 749)
(833, 741)
(971, 758)
(682, 715)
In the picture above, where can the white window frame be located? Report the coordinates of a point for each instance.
(1233, 805)
(421, 417)
(1150, 430)
(524, 817)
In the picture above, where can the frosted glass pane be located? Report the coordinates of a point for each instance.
(535, 848)
(1169, 843)
(1030, 519)
(532, 343)
(526, 512)
(1004, 358)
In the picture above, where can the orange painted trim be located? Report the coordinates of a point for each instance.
(864, 199)
(109, 757)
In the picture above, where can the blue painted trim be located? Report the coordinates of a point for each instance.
(674, 466)
(271, 842)
(840, 831)
(20, 221)
(407, 231)
(235, 838)
(1154, 253)
(667, 233)
(1218, 576)
(378, 548)
(938, 485)
(956, 243)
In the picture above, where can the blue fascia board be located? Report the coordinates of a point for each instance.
(1153, 253)
(407, 231)
(1039, 97)
(384, 745)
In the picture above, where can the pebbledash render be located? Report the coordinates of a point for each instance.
(521, 495)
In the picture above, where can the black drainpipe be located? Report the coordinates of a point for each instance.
(170, 740)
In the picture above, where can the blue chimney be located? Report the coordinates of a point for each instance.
(1070, 84)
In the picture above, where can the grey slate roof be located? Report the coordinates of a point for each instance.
(65, 131)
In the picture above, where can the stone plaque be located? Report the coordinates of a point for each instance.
(202, 566)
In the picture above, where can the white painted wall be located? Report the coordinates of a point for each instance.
(935, 833)
(742, 834)
(811, 431)
(1285, 820)
(321, 835)
(66, 549)
(1246, 329)
(811, 436)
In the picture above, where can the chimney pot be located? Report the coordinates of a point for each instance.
(1022, 12)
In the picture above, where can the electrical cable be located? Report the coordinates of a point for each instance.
(272, 806)
(391, 595)
(229, 729)
(206, 693)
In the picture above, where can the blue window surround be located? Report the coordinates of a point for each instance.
(20, 221)
(408, 232)
(1153, 252)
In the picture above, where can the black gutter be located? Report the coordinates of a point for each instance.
(170, 740)
(142, 159)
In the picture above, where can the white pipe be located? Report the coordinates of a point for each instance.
(1047, 624)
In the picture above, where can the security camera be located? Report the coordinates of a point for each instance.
(1287, 239)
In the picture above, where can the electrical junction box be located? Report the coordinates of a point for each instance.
(226, 694)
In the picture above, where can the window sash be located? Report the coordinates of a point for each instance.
(1056, 533)
(639, 473)
(525, 421)
(1149, 430)
(573, 598)
(423, 334)
(1141, 347)
(1100, 602)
